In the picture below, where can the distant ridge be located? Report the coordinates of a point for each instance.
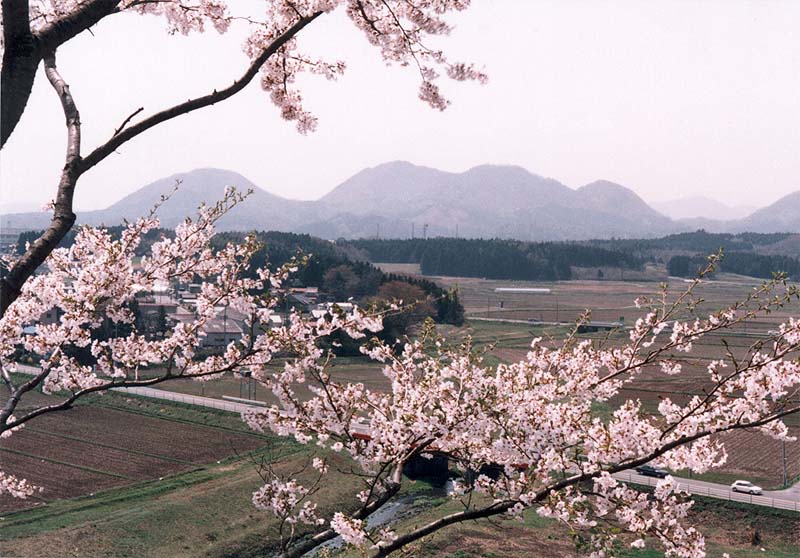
(396, 198)
(781, 216)
(702, 207)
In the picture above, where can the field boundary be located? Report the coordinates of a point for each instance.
(68, 464)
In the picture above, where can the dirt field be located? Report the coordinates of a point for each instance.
(92, 448)
(400, 268)
(607, 300)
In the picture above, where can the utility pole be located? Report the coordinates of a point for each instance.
(425, 231)
(785, 475)
(225, 325)
(412, 230)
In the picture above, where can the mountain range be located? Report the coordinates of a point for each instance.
(399, 199)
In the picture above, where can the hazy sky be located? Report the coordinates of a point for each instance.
(669, 98)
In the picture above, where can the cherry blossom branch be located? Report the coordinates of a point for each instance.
(502, 507)
(391, 488)
(69, 402)
(75, 166)
(103, 151)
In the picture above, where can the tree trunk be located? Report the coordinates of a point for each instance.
(20, 60)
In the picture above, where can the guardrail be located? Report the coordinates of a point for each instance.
(244, 401)
(718, 493)
(165, 395)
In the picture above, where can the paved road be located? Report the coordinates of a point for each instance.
(788, 499)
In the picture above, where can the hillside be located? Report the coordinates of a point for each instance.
(486, 201)
(399, 199)
(781, 216)
(261, 210)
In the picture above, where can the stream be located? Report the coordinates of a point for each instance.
(393, 511)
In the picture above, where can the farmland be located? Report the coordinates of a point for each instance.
(607, 300)
(752, 455)
(206, 511)
(118, 457)
(115, 441)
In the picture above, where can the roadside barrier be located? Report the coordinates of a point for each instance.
(710, 492)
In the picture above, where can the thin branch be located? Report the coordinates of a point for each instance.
(103, 151)
(125, 122)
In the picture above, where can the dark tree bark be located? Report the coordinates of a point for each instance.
(24, 50)
(20, 60)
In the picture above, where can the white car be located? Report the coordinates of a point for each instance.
(746, 486)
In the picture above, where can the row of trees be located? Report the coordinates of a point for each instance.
(508, 259)
(742, 263)
(496, 258)
(26, 238)
(699, 241)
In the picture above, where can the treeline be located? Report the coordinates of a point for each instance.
(279, 248)
(446, 302)
(549, 261)
(742, 263)
(698, 241)
(494, 259)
